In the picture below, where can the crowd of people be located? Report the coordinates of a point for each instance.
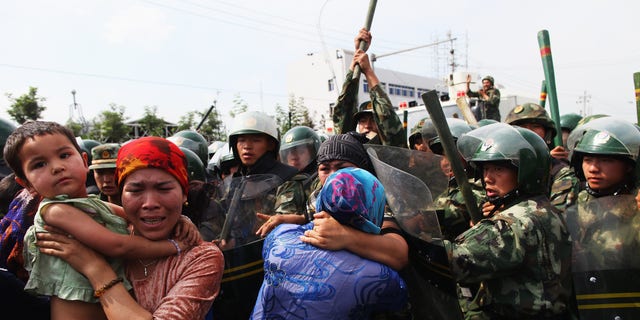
(153, 227)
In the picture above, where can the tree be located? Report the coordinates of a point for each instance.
(239, 106)
(296, 114)
(212, 128)
(187, 122)
(26, 107)
(110, 126)
(75, 127)
(151, 124)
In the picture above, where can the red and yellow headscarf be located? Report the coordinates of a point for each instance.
(152, 152)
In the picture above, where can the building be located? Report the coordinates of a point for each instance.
(318, 78)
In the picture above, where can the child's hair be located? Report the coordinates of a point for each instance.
(29, 130)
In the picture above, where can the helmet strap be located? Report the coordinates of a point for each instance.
(622, 189)
(504, 201)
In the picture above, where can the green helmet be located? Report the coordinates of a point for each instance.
(416, 132)
(195, 168)
(520, 147)
(193, 141)
(490, 78)
(299, 136)
(532, 113)
(606, 136)
(569, 121)
(253, 122)
(458, 127)
(484, 122)
(589, 118)
(364, 108)
(86, 145)
(222, 160)
(6, 128)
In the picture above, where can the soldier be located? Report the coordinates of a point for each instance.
(192, 140)
(488, 99)
(376, 118)
(254, 141)
(564, 184)
(605, 221)
(299, 149)
(103, 164)
(416, 142)
(521, 255)
(568, 122)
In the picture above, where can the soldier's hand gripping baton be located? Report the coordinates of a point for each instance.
(439, 121)
(547, 64)
(367, 26)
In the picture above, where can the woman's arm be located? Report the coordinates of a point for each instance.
(116, 301)
(390, 249)
(80, 225)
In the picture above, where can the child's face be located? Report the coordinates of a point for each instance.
(53, 166)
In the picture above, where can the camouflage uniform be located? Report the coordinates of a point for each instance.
(520, 258)
(489, 109)
(453, 215)
(390, 128)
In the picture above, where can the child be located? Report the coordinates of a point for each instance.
(46, 159)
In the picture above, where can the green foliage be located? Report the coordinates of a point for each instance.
(110, 125)
(26, 107)
(239, 106)
(296, 114)
(75, 127)
(187, 122)
(151, 124)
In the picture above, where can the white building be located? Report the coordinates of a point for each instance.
(318, 79)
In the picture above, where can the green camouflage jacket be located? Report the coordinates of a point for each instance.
(491, 106)
(564, 185)
(453, 215)
(391, 132)
(520, 257)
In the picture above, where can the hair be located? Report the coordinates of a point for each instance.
(29, 130)
(9, 188)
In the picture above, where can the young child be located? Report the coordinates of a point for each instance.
(46, 159)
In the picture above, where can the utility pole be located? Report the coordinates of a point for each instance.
(584, 100)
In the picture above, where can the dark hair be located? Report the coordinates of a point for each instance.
(29, 130)
(346, 147)
(9, 188)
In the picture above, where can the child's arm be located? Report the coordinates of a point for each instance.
(80, 225)
(117, 210)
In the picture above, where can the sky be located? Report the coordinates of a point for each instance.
(181, 56)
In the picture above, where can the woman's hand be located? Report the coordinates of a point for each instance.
(80, 257)
(327, 233)
(272, 221)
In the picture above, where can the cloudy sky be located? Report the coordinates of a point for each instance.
(180, 56)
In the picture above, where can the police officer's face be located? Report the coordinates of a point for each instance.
(366, 124)
(605, 173)
(539, 129)
(299, 157)
(253, 146)
(486, 85)
(327, 168)
(421, 145)
(499, 179)
(106, 181)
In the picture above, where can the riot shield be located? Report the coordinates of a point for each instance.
(432, 288)
(606, 257)
(243, 271)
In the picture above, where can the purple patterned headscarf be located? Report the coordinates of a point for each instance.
(354, 197)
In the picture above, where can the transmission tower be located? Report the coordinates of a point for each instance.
(584, 100)
(75, 108)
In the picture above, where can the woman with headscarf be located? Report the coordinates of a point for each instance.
(307, 282)
(151, 174)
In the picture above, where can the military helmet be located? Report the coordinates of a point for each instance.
(522, 148)
(589, 118)
(253, 122)
(86, 145)
(532, 113)
(213, 148)
(569, 121)
(458, 127)
(416, 132)
(484, 122)
(364, 108)
(490, 78)
(297, 137)
(222, 160)
(6, 128)
(606, 136)
(193, 141)
(195, 168)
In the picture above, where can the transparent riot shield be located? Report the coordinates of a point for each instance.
(606, 257)
(432, 288)
(243, 271)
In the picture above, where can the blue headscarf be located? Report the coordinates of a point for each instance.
(354, 197)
